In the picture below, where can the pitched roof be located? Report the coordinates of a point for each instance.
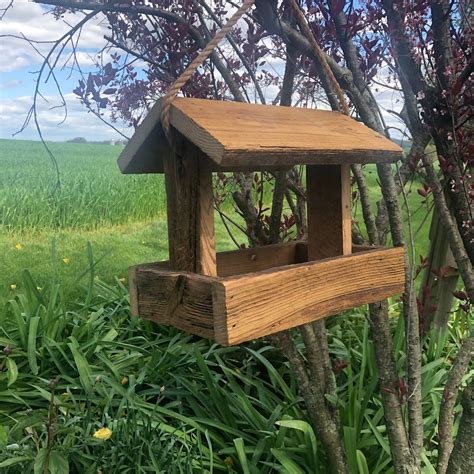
(247, 136)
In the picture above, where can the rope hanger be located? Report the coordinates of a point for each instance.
(205, 53)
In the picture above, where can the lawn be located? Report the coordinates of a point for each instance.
(123, 217)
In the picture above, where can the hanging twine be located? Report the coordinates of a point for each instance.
(197, 61)
(318, 52)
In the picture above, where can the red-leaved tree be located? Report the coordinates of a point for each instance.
(422, 50)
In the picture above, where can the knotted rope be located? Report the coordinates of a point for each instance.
(197, 61)
(205, 53)
(318, 52)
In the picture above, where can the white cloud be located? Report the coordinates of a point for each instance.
(26, 19)
(30, 20)
(78, 123)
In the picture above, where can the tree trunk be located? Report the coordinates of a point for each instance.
(439, 280)
(462, 457)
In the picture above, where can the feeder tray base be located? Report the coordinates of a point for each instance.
(261, 291)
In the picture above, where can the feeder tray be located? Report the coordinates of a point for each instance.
(237, 296)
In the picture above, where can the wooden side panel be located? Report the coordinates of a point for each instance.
(257, 305)
(238, 262)
(256, 259)
(144, 152)
(175, 299)
(329, 211)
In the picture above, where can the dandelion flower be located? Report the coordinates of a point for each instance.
(18, 246)
(103, 433)
(13, 286)
(124, 380)
(66, 261)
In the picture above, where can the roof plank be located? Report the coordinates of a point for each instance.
(248, 136)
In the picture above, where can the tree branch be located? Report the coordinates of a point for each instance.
(325, 427)
(462, 456)
(450, 396)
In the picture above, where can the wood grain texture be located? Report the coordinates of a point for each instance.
(235, 309)
(206, 233)
(238, 136)
(241, 261)
(328, 192)
(250, 306)
(190, 209)
(232, 131)
(257, 259)
(175, 299)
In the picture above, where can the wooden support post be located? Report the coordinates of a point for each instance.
(190, 209)
(329, 211)
(207, 264)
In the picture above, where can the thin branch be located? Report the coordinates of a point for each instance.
(237, 51)
(161, 76)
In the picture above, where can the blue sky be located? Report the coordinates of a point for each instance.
(18, 65)
(17, 79)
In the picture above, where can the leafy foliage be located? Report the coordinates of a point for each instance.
(175, 403)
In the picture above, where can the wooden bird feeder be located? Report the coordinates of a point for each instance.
(241, 295)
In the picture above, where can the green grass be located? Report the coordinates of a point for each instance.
(180, 404)
(122, 216)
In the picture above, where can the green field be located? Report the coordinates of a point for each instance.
(123, 217)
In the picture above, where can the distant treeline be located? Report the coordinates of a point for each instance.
(99, 142)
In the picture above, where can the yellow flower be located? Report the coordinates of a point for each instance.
(124, 381)
(18, 246)
(66, 260)
(103, 433)
(122, 280)
(39, 288)
(13, 286)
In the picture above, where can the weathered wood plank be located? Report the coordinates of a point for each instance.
(144, 151)
(238, 262)
(328, 192)
(189, 210)
(206, 261)
(240, 136)
(251, 306)
(175, 299)
(230, 131)
(256, 259)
